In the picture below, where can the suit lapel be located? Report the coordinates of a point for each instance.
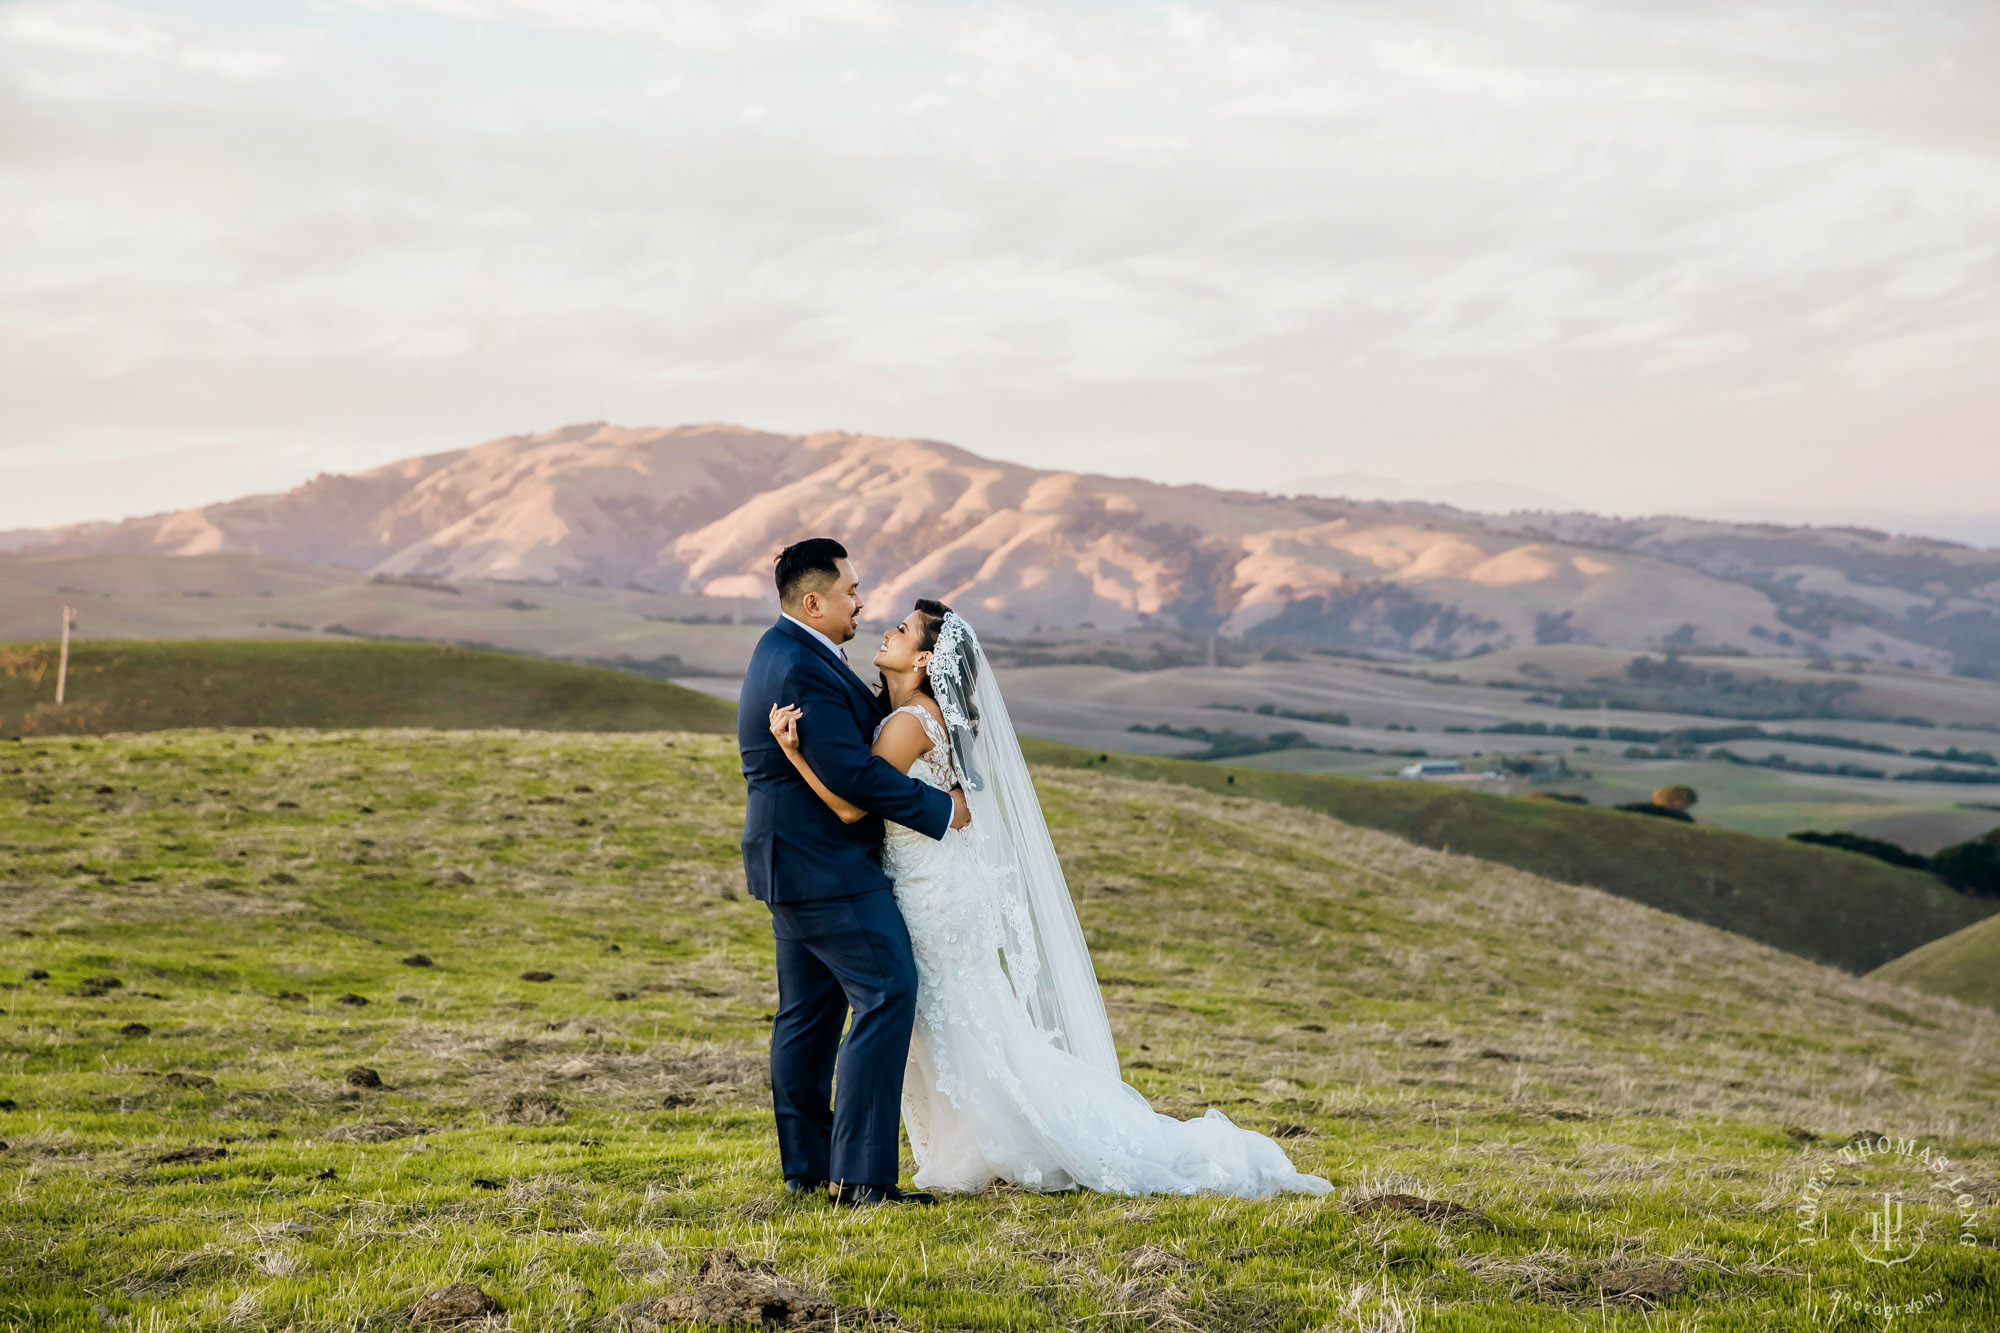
(862, 694)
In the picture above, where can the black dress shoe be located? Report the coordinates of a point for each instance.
(853, 1195)
(803, 1185)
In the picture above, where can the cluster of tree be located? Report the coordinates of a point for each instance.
(1532, 765)
(1670, 685)
(421, 581)
(1942, 774)
(1158, 657)
(1785, 765)
(1684, 738)
(1971, 867)
(1656, 809)
(1879, 848)
(1378, 615)
(1641, 734)
(1226, 744)
(1954, 755)
(1672, 802)
(1330, 719)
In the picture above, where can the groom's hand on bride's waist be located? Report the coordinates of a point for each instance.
(961, 813)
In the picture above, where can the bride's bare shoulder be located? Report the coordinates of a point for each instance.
(902, 729)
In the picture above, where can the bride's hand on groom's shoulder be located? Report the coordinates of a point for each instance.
(785, 725)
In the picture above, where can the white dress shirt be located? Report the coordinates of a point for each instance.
(831, 645)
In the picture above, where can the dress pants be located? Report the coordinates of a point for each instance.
(839, 1102)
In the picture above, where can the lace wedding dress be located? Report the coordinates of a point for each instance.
(995, 1091)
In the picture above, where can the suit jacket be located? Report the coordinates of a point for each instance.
(794, 848)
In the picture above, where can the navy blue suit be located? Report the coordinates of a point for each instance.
(841, 942)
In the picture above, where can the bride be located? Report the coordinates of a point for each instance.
(1013, 1075)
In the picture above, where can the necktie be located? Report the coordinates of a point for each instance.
(842, 652)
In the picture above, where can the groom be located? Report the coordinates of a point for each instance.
(841, 940)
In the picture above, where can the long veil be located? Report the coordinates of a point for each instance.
(1045, 954)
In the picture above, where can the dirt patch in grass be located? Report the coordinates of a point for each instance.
(196, 1154)
(1430, 1210)
(455, 1304)
(729, 1293)
(1645, 1283)
(533, 1108)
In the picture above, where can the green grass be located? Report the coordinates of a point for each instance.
(1829, 906)
(1964, 965)
(155, 685)
(1610, 1084)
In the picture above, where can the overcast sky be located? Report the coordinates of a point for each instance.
(1639, 254)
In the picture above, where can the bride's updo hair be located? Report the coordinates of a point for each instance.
(930, 618)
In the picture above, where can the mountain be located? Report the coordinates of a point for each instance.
(700, 510)
(1489, 494)
(1854, 585)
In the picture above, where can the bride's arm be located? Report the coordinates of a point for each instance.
(785, 727)
(902, 743)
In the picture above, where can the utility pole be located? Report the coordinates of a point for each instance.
(62, 665)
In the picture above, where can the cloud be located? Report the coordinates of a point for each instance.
(55, 46)
(1233, 243)
(702, 24)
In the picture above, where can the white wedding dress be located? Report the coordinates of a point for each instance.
(994, 1090)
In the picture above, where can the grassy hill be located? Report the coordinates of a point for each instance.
(241, 596)
(1964, 965)
(152, 686)
(1833, 907)
(231, 933)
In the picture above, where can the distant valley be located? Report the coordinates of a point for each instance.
(696, 512)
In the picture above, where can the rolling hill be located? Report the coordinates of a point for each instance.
(274, 1060)
(155, 686)
(700, 510)
(1833, 907)
(1830, 906)
(1964, 965)
(235, 596)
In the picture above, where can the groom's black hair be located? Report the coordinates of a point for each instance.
(807, 566)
